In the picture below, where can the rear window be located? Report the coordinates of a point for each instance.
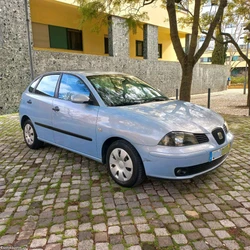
(47, 85)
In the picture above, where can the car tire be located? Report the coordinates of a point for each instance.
(124, 164)
(30, 136)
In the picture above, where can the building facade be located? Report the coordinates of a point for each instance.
(38, 36)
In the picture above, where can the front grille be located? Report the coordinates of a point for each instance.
(225, 128)
(219, 135)
(201, 138)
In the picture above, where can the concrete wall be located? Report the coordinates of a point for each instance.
(164, 75)
(14, 55)
(15, 63)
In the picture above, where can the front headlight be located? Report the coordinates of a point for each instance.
(178, 139)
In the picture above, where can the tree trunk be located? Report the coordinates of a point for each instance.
(186, 81)
(248, 95)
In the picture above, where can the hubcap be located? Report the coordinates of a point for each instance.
(29, 134)
(121, 165)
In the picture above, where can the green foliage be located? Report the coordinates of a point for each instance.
(97, 12)
(237, 79)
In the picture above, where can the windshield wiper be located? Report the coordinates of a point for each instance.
(157, 99)
(128, 103)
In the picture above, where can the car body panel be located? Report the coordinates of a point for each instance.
(75, 126)
(38, 108)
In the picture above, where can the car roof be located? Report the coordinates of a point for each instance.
(87, 72)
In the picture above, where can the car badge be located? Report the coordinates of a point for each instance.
(220, 135)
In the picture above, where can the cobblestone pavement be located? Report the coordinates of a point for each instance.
(54, 199)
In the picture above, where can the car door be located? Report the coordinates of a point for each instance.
(39, 103)
(74, 123)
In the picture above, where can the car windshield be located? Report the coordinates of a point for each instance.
(121, 90)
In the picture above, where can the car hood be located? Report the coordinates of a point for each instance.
(177, 116)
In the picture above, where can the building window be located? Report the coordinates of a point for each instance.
(139, 48)
(106, 45)
(64, 38)
(74, 39)
(206, 59)
(235, 58)
(159, 50)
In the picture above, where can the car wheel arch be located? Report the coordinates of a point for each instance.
(23, 120)
(108, 142)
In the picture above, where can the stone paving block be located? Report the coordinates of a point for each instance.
(214, 242)
(180, 218)
(118, 247)
(128, 229)
(70, 233)
(70, 242)
(114, 230)
(222, 234)
(57, 228)
(86, 245)
(201, 245)
(54, 238)
(85, 227)
(35, 243)
(7, 239)
(101, 237)
(161, 232)
(140, 220)
(143, 227)
(205, 232)
(227, 223)
(100, 227)
(101, 246)
(180, 239)
(135, 248)
(146, 237)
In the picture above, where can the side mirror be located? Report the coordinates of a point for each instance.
(80, 98)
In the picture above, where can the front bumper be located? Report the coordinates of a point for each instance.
(183, 162)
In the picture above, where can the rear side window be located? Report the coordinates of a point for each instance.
(47, 85)
(71, 85)
(33, 85)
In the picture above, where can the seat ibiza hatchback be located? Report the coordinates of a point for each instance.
(121, 121)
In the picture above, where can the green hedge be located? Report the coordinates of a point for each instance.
(237, 79)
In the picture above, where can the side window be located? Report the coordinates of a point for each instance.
(33, 85)
(71, 85)
(47, 85)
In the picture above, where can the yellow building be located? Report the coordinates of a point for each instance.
(56, 26)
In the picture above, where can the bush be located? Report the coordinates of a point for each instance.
(235, 80)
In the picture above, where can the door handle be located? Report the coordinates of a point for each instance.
(56, 108)
(29, 101)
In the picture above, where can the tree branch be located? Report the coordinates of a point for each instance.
(237, 47)
(195, 29)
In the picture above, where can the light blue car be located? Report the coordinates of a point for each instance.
(121, 121)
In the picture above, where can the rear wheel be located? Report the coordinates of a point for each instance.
(124, 164)
(30, 136)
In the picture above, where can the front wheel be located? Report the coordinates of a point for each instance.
(124, 164)
(30, 136)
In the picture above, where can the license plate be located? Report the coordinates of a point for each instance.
(219, 152)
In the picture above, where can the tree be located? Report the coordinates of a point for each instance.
(133, 11)
(238, 13)
(218, 55)
(232, 41)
